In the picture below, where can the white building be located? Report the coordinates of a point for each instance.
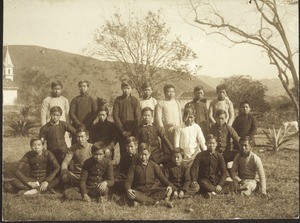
(10, 89)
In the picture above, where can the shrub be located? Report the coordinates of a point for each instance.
(276, 139)
(20, 123)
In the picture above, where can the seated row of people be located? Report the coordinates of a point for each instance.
(144, 181)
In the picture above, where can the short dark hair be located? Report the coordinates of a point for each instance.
(125, 84)
(246, 138)
(209, 137)
(178, 150)
(198, 88)
(98, 146)
(32, 140)
(244, 102)
(221, 87)
(147, 109)
(189, 111)
(145, 85)
(56, 109)
(131, 139)
(84, 81)
(82, 128)
(55, 84)
(103, 108)
(221, 112)
(144, 146)
(167, 86)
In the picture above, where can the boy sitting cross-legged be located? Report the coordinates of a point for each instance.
(77, 153)
(149, 132)
(39, 161)
(96, 177)
(179, 174)
(142, 184)
(245, 168)
(209, 169)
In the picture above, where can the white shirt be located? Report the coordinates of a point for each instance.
(168, 113)
(151, 103)
(188, 138)
(49, 102)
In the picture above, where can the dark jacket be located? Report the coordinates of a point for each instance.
(179, 176)
(83, 109)
(55, 135)
(126, 113)
(94, 173)
(38, 166)
(209, 166)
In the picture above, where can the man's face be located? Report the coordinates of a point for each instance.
(144, 156)
(147, 92)
(222, 94)
(131, 148)
(98, 155)
(56, 91)
(102, 116)
(170, 93)
(199, 94)
(177, 159)
(245, 109)
(54, 117)
(189, 120)
(82, 138)
(221, 119)
(147, 117)
(83, 88)
(211, 145)
(37, 147)
(245, 147)
(126, 90)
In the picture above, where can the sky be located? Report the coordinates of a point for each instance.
(68, 25)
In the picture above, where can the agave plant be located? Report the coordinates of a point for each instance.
(20, 124)
(276, 139)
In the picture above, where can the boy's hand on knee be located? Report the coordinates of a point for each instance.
(175, 195)
(131, 193)
(33, 184)
(44, 186)
(218, 188)
(181, 194)
(86, 198)
(102, 186)
(169, 191)
(194, 184)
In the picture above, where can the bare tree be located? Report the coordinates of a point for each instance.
(270, 28)
(143, 49)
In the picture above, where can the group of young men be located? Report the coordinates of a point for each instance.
(166, 152)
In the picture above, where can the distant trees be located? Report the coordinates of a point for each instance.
(143, 49)
(270, 36)
(32, 89)
(242, 87)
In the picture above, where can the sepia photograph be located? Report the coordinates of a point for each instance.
(138, 110)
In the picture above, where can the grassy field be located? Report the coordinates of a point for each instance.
(282, 172)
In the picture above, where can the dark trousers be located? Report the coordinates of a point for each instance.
(150, 196)
(191, 191)
(73, 193)
(19, 185)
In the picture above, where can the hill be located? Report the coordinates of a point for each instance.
(273, 85)
(70, 68)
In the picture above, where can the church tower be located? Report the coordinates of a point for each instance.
(8, 67)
